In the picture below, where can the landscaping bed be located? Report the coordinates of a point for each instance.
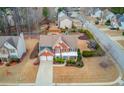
(34, 53)
(73, 62)
(57, 60)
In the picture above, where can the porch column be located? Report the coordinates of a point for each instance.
(7, 59)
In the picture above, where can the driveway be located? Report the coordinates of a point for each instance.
(45, 74)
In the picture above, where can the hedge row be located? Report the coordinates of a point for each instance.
(90, 36)
(88, 53)
(97, 52)
(123, 33)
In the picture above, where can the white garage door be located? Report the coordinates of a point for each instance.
(46, 58)
(43, 58)
(49, 58)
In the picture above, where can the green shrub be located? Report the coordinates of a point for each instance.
(63, 30)
(88, 53)
(97, 52)
(70, 61)
(108, 23)
(79, 57)
(79, 64)
(123, 33)
(82, 31)
(96, 22)
(90, 36)
(58, 60)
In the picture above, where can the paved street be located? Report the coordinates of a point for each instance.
(45, 74)
(114, 50)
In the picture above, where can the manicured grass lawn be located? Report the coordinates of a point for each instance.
(90, 73)
(114, 33)
(121, 42)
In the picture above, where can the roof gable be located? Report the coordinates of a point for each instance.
(13, 40)
(46, 52)
(51, 40)
(60, 43)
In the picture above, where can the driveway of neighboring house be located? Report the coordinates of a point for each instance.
(45, 74)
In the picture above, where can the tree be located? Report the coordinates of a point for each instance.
(117, 10)
(17, 19)
(79, 57)
(60, 9)
(3, 21)
(28, 20)
(45, 12)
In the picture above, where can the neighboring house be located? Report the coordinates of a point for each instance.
(51, 46)
(77, 23)
(11, 47)
(70, 10)
(74, 15)
(120, 19)
(10, 20)
(107, 15)
(114, 23)
(97, 13)
(64, 21)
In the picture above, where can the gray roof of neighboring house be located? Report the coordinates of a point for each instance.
(13, 40)
(107, 13)
(120, 18)
(50, 40)
(63, 16)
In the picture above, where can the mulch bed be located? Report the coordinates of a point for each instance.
(57, 63)
(1, 63)
(36, 63)
(35, 52)
(83, 37)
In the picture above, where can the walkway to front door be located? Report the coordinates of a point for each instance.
(45, 72)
